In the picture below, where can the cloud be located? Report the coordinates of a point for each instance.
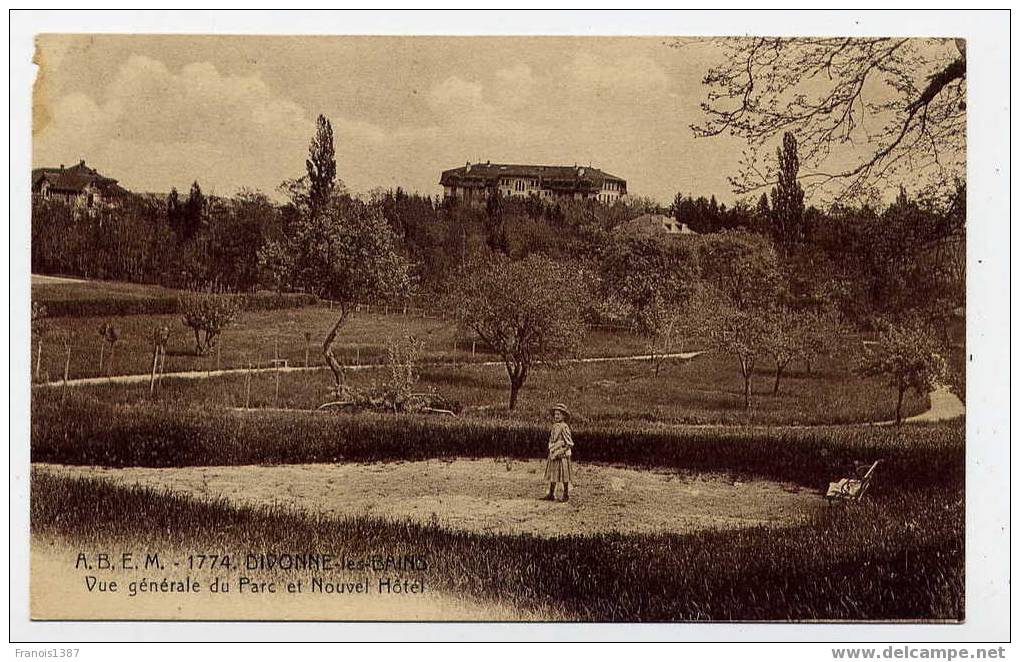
(617, 76)
(456, 96)
(514, 85)
(167, 126)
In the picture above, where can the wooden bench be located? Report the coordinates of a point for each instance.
(851, 489)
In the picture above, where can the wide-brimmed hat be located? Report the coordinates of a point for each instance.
(560, 407)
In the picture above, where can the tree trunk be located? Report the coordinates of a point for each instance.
(517, 373)
(899, 406)
(198, 343)
(747, 369)
(514, 389)
(339, 376)
(779, 373)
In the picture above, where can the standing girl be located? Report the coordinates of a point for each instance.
(557, 468)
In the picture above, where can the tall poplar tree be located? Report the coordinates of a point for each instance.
(788, 195)
(321, 164)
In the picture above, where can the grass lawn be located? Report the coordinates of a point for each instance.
(72, 290)
(257, 336)
(706, 389)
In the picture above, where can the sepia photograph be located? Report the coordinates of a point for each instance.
(569, 329)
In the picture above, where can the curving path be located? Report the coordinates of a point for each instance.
(208, 374)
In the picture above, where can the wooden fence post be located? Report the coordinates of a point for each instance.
(67, 364)
(155, 363)
(247, 386)
(102, 350)
(276, 363)
(38, 359)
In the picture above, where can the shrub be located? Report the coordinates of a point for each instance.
(84, 430)
(208, 314)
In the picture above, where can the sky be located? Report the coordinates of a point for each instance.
(161, 111)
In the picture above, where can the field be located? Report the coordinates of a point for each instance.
(258, 337)
(702, 390)
(686, 506)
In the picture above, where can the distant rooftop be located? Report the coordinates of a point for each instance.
(74, 179)
(484, 174)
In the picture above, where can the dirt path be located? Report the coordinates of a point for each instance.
(488, 495)
(39, 279)
(209, 374)
(945, 405)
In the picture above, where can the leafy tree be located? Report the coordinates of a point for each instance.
(742, 268)
(208, 315)
(792, 334)
(788, 196)
(175, 212)
(194, 212)
(321, 164)
(823, 332)
(783, 340)
(528, 311)
(655, 278)
(742, 333)
(238, 228)
(909, 357)
(347, 253)
(669, 325)
(904, 98)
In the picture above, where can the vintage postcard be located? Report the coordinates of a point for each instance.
(607, 329)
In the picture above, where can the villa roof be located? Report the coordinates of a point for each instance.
(74, 179)
(488, 174)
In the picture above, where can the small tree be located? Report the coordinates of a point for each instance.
(743, 334)
(670, 325)
(784, 339)
(110, 335)
(346, 253)
(529, 311)
(823, 331)
(908, 357)
(208, 315)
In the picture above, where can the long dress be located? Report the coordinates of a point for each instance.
(557, 467)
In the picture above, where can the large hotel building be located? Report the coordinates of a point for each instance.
(476, 182)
